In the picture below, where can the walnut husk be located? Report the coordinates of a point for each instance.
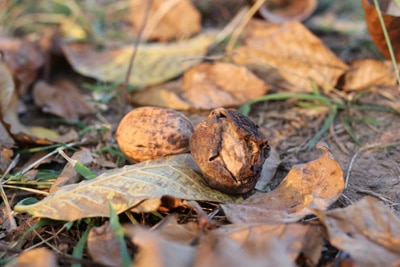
(230, 151)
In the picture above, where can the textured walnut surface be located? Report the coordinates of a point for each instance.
(230, 150)
(152, 132)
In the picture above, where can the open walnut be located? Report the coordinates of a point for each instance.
(230, 151)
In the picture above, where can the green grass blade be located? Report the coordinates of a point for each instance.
(119, 234)
(80, 246)
(328, 121)
(245, 109)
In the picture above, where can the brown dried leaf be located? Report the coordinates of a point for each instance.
(171, 19)
(368, 72)
(205, 86)
(154, 63)
(209, 86)
(9, 113)
(314, 185)
(69, 175)
(167, 95)
(224, 251)
(279, 11)
(391, 17)
(127, 187)
(155, 250)
(296, 239)
(62, 99)
(24, 60)
(38, 257)
(367, 230)
(103, 246)
(288, 56)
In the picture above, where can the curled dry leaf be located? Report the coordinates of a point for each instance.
(155, 250)
(224, 251)
(367, 230)
(38, 257)
(9, 114)
(69, 175)
(24, 60)
(297, 239)
(208, 86)
(205, 86)
(103, 246)
(125, 188)
(279, 11)
(391, 17)
(154, 63)
(288, 56)
(62, 99)
(313, 185)
(171, 19)
(368, 72)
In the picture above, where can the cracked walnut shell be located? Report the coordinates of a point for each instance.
(230, 151)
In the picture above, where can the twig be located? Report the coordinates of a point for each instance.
(388, 41)
(133, 56)
(246, 19)
(372, 193)
(13, 223)
(353, 159)
(337, 141)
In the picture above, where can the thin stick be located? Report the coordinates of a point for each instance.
(387, 39)
(133, 56)
(13, 223)
(353, 159)
(246, 19)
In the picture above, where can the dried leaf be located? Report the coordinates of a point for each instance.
(391, 17)
(9, 114)
(171, 19)
(367, 230)
(125, 188)
(103, 246)
(297, 239)
(62, 99)
(209, 86)
(205, 86)
(314, 185)
(167, 95)
(224, 251)
(69, 175)
(289, 56)
(38, 257)
(279, 11)
(368, 72)
(154, 63)
(24, 60)
(154, 250)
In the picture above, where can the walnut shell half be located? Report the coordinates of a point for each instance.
(152, 132)
(230, 151)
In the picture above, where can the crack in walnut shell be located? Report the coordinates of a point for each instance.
(230, 151)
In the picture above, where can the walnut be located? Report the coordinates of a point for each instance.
(151, 132)
(230, 151)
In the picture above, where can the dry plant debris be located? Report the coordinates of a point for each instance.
(70, 196)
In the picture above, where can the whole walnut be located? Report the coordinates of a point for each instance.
(230, 151)
(152, 132)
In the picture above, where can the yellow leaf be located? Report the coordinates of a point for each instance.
(154, 63)
(126, 188)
